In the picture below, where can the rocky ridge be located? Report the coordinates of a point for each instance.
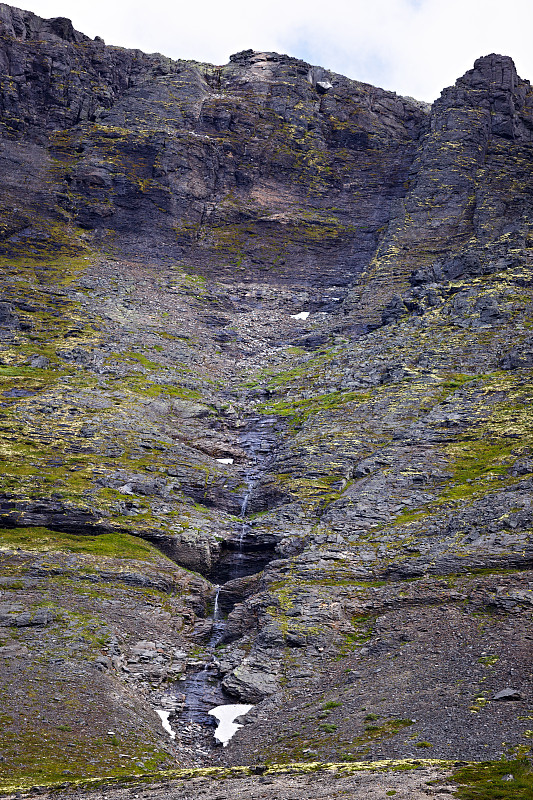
(265, 327)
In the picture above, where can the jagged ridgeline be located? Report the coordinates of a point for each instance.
(265, 422)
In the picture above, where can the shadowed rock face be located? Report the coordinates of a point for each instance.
(245, 167)
(266, 327)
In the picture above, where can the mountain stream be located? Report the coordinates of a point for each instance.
(205, 700)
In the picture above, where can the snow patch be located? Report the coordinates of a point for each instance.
(226, 715)
(164, 715)
(301, 315)
(225, 460)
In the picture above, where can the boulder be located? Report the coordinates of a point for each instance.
(507, 694)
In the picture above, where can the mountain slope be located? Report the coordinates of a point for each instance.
(266, 328)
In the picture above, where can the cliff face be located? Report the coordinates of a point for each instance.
(251, 166)
(265, 327)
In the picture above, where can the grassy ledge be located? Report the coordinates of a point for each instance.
(109, 545)
(495, 780)
(219, 773)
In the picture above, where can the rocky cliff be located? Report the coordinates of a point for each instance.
(267, 329)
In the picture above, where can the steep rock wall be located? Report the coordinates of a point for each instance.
(248, 167)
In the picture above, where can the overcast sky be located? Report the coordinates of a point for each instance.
(413, 47)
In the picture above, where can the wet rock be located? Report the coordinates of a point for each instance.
(238, 588)
(202, 630)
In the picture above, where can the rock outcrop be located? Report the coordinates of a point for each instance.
(265, 327)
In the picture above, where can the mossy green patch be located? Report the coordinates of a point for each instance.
(21, 381)
(309, 369)
(495, 780)
(299, 410)
(143, 777)
(56, 254)
(361, 633)
(383, 731)
(108, 545)
(491, 448)
(57, 755)
(140, 385)
(136, 358)
(330, 705)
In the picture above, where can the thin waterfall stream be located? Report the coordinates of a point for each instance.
(202, 699)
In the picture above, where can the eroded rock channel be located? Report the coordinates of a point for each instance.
(234, 576)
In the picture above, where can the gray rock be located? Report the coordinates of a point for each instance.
(250, 683)
(8, 319)
(522, 466)
(40, 362)
(507, 694)
(395, 309)
(323, 87)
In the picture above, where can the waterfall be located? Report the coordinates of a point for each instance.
(203, 692)
(244, 507)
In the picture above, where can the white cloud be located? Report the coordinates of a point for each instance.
(414, 47)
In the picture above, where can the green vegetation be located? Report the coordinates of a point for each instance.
(146, 777)
(55, 250)
(31, 381)
(49, 451)
(491, 780)
(300, 410)
(362, 633)
(48, 757)
(478, 703)
(489, 661)
(385, 730)
(139, 385)
(138, 358)
(492, 446)
(481, 454)
(309, 369)
(453, 381)
(109, 545)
